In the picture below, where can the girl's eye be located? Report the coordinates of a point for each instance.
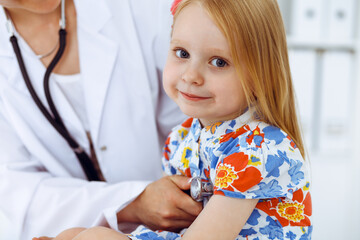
(182, 53)
(218, 62)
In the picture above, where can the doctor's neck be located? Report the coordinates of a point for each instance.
(39, 26)
(23, 19)
(36, 17)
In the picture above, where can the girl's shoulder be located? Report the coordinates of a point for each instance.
(258, 135)
(265, 146)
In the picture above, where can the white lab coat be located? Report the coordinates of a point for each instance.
(43, 189)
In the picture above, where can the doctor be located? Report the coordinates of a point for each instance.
(107, 90)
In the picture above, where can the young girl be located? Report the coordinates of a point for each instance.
(228, 69)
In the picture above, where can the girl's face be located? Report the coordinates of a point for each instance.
(199, 74)
(35, 6)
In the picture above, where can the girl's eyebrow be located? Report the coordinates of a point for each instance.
(212, 50)
(217, 51)
(176, 41)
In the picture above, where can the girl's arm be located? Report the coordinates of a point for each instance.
(222, 218)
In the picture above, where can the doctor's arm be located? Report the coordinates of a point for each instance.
(37, 194)
(163, 205)
(222, 218)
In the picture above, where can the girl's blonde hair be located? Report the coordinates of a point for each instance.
(255, 32)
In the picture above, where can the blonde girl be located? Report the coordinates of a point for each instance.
(228, 70)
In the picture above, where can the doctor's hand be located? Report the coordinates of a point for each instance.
(163, 205)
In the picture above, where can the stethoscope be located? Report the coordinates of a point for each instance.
(201, 190)
(53, 117)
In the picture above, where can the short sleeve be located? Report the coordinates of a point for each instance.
(264, 164)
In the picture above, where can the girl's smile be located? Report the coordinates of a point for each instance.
(193, 97)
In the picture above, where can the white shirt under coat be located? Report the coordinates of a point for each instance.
(43, 189)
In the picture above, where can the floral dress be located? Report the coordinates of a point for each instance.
(247, 159)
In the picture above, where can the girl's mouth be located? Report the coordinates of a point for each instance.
(192, 97)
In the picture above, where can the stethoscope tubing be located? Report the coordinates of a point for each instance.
(54, 120)
(50, 68)
(33, 94)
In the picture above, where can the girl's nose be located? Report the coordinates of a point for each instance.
(193, 75)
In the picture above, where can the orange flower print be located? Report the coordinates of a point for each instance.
(213, 127)
(187, 172)
(292, 143)
(166, 149)
(187, 123)
(225, 175)
(207, 172)
(248, 178)
(235, 174)
(233, 135)
(256, 136)
(238, 160)
(294, 212)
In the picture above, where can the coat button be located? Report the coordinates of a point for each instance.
(103, 148)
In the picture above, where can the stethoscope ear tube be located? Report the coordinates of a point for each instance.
(62, 19)
(56, 122)
(50, 68)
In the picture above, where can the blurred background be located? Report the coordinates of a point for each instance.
(324, 50)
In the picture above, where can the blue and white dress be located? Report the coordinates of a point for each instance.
(247, 159)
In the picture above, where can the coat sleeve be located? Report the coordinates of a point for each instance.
(35, 202)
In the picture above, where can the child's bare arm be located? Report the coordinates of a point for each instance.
(222, 218)
(97, 233)
(68, 234)
(94, 233)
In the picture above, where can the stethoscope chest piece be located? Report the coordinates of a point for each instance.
(200, 190)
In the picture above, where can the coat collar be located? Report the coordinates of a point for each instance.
(5, 45)
(92, 18)
(106, 39)
(219, 129)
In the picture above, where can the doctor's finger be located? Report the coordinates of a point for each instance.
(188, 205)
(181, 182)
(183, 201)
